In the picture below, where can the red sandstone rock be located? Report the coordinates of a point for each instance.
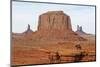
(56, 25)
(54, 20)
(53, 25)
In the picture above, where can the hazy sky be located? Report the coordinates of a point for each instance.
(24, 13)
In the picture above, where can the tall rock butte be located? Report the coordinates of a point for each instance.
(55, 25)
(54, 21)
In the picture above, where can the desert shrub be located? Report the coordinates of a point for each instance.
(78, 47)
(78, 57)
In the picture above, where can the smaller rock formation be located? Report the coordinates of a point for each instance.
(80, 30)
(27, 35)
(28, 31)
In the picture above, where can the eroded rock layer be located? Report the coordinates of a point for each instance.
(56, 25)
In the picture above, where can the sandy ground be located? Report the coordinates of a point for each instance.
(45, 52)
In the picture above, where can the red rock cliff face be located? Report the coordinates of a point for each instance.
(55, 25)
(55, 21)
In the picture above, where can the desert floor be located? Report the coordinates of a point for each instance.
(48, 52)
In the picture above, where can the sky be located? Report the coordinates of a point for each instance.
(24, 13)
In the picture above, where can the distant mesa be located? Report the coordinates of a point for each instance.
(54, 20)
(80, 30)
(54, 25)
